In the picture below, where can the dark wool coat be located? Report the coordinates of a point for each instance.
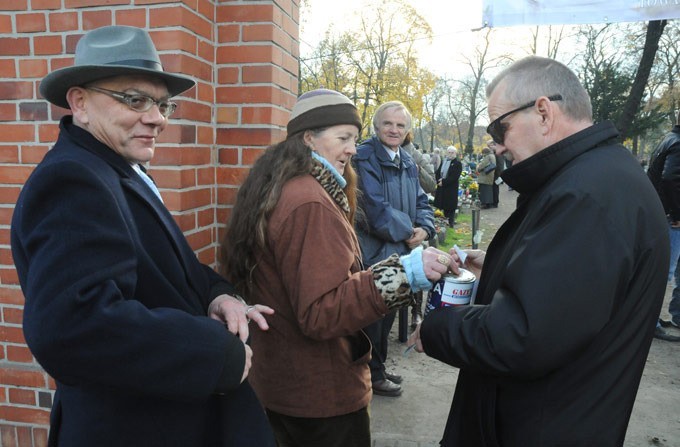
(552, 351)
(446, 196)
(115, 310)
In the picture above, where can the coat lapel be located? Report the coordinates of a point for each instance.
(167, 223)
(132, 182)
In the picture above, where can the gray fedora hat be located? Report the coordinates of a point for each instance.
(106, 52)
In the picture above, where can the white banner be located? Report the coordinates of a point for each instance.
(566, 12)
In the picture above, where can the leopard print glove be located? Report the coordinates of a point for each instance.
(390, 279)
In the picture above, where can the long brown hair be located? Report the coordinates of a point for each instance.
(256, 200)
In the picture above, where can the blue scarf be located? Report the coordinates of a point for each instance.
(339, 178)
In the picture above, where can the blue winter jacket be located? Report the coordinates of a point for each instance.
(392, 202)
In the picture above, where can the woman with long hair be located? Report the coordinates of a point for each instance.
(290, 245)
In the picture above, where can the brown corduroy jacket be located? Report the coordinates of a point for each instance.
(313, 361)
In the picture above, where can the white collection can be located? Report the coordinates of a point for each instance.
(451, 290)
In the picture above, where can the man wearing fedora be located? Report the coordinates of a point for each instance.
(146, 344)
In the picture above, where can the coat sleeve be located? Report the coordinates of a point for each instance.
(385, 222)
(425, 173)
(670, 181)
(78, 265)
(424, 212)
(553, 298)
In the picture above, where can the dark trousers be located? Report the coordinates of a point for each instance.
(348, 430)
(495, 194)
(450, 216)
(378, 333)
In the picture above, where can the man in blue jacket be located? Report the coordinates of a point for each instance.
(146, 344)
(396, 216)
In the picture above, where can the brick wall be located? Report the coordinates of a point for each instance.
(243, 54)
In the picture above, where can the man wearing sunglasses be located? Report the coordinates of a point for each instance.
(552, 349)
(146, 344)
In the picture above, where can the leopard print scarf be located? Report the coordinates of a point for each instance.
(330, 184)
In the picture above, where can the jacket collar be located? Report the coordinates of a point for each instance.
(530, 174)
(383, 157)
(87, 141)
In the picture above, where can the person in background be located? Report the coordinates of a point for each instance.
(428, 182)
(426, 175)
(485, 173)
(470, 163)
(396, 217)
(497, 180)
(147, 346)
(436, 159)
(290, 245)
(448, 176)
(552, 349)
(664, 172)
(426, 157)
(508, 163)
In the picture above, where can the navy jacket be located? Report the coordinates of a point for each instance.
(116, 305)
(392, 202)
(552, 351)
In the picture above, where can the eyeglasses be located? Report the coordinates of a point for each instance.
(497, 129)
(139, 103)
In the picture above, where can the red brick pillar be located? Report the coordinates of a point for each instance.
(257, 74)
(243, 55)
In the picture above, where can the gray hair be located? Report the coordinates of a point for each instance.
(389, 105)
(534, 76)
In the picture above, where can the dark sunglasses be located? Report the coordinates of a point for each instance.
(497, 129)
(139, 103)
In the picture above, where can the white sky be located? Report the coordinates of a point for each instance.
(451, 22)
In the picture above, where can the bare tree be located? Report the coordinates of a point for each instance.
(654, 31)
(666, 70)
(431, 106)
(376, 60)
(479, 64)
(553, 41)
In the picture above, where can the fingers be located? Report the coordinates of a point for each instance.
(437, 263)
(252, 313)
(257, 312)
(236, 315)
(242, 328)
(248, 362)
(414, 340)
(417, 238)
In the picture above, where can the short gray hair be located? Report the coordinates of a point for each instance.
(534, 76)
(389, 105)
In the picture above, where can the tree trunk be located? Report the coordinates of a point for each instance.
(630, 109)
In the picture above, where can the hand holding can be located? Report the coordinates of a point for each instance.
(451, 290)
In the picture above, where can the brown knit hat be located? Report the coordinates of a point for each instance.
(322, 108)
